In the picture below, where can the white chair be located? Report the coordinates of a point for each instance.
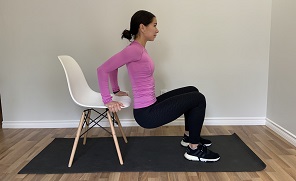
(85, 97)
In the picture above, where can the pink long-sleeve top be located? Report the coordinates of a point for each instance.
(140, 69)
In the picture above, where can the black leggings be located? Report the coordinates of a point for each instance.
(170, 106)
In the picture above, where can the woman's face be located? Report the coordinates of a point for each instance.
(150, 31)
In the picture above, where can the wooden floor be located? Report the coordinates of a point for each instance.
(19, 146)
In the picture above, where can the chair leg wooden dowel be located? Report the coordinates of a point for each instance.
(115, 138)
(86, 126)
(76, 139)
(120, 127)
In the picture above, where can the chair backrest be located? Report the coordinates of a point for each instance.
(77, 84)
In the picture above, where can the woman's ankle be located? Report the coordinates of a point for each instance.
(193, 146)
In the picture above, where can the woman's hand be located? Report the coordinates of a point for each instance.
(121, 93)
(114, 106)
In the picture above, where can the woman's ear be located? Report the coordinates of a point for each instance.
(142, 28)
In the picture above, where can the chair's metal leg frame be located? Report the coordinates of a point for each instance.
(87, 121)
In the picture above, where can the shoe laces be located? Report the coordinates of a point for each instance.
(204, 148)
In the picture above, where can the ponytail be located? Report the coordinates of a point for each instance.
(126, 34)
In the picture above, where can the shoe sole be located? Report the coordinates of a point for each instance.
(195, 158)
(185, 144)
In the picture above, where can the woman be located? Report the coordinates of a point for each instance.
(151, 111)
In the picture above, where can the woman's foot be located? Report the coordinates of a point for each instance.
(185, 141)
(201, 153)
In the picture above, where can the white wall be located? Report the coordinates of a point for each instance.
(222, 47)
(282, 69)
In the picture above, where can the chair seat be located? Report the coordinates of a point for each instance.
(94, 100)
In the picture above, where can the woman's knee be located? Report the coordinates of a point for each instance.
(203, 99)
(192, 88)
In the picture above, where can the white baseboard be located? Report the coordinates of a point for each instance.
(281, 131)
(235, 121)
(130, 122)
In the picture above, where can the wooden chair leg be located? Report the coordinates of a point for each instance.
(120, 127)
(86, 127)
(76, 139)
(115, 138)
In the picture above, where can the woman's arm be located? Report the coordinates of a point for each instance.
(114, 81)
(110, 68)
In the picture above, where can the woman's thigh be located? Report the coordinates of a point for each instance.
(168, 110)
(182, 90)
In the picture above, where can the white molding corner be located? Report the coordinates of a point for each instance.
(291, 138)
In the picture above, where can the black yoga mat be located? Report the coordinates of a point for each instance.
(142, 154)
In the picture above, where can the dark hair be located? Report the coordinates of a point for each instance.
(140, 17)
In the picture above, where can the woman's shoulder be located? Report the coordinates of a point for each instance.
(134, 50)
(135, 46)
